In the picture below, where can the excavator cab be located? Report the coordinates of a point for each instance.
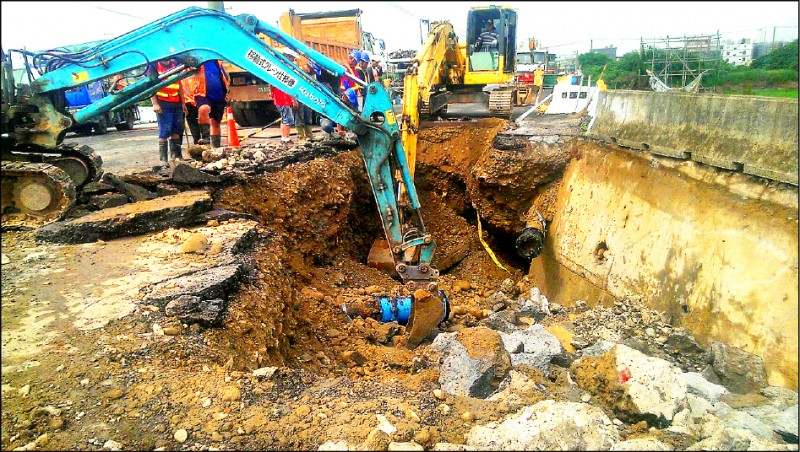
(491, 45)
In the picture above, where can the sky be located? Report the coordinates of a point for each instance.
(563, 27)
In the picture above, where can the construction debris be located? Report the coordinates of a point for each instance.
(214, 319)
(130, 219)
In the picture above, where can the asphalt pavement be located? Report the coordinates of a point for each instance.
(130, 150)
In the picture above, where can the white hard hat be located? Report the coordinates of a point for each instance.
(290, 52)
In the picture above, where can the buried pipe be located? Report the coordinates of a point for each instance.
(530, 242)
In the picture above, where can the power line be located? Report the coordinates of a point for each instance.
(458, 29)
(404, 10)
(120, 13)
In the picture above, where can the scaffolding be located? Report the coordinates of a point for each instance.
(679, 60)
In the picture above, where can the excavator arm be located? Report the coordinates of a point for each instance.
(435, 65)
(196, 35)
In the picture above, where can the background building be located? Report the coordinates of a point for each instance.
(610, 52)
(740, 54)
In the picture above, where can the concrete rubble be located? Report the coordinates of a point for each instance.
(474, 362)
(533, 346)
(635, 386)
(549, 425)
(699, 386)
(740, 371)
(224, 323)
(152, 215)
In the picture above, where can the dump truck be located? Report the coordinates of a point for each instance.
(332, 33)
(122, 119)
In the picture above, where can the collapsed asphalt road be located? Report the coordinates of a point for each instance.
(227, 332)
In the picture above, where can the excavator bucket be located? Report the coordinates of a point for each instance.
(427, 312)
(420, 313)
(380, 257)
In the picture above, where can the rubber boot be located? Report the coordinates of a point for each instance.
(216, 141)
(175, 149)
(309, 132)
(204, 133)
(162, 151)
(194, 129)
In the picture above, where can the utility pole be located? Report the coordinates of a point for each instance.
(424, 30)
(216, 5)
(772, 47)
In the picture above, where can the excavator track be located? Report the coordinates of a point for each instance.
(425, 112)
(500, 103)
(34, 194)
(79, 161)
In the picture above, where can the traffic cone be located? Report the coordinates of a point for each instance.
(233, 137)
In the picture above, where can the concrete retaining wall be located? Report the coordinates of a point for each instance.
(720, 264)
(756, 135)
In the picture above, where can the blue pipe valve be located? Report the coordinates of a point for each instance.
(398, 309)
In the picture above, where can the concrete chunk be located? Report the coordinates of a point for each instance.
(209, 283)
(190, 309)
(534, 347)
(474, 362)
(183, 173)
(108, 200)
(696, 384)
(739, 420)
(739, 371)
(132, 191)
(785, 424)
(635, 386)
(549, 425)
(131, 219)
(148, 178)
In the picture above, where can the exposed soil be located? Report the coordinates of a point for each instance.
(142, 379)
(123, 382)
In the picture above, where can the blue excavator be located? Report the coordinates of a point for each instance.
(40, 175)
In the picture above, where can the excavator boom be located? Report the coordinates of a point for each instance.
(437, 64)
(39, 118)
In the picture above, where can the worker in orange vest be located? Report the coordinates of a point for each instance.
(212, 97)
(199, 131)
(168, 106)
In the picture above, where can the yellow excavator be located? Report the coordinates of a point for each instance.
(444, 71)
(480, 70)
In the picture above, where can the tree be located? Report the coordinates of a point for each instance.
(622, 73)
(592, 59)
(784, 57)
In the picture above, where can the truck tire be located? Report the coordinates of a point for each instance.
(238, 115)
(254, 117)
(83, 129)
(128, 124)
(101, 126)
